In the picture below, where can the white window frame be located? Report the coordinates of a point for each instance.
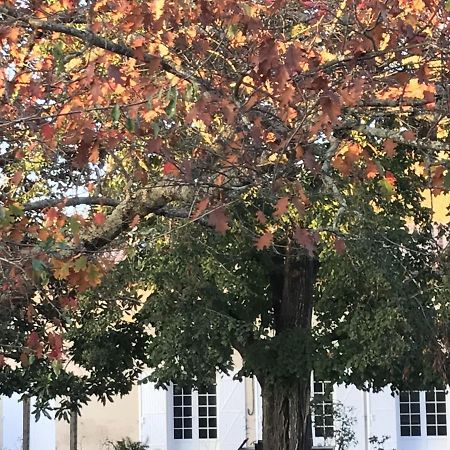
(322, 441)
(423, 418)
(195, 442)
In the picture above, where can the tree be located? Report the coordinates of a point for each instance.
(305, 132)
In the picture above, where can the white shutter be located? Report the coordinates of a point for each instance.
(12, 422)
(353, 400)
(384, 417)
(42, 432)
(231, 413)
(153, 417)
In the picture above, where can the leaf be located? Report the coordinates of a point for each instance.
(261, 218)
(219, 220)
(281, 207)
(389, 147)
(170, 168)
(201, 206)
(17, 178)
(264, 241)
(115, 113)
(99, 219)
(80, 263)
(305, 239)
(158, 8)
(339, 245)
(409, 135)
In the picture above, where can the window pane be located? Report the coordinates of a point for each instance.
(436, 412)
(182, 415)
(442, 431)
(178, 434)
(207, 421)
(213, 433)
(404, 431)
(415, 431)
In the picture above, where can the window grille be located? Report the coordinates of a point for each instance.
(182, 413)
(410, 413)
(436, 413)
(323, 409)
(207, 413)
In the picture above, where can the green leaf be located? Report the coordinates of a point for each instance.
(38, 266)
(447, 5)
(80, 263)
(16, 210)
(115, 113)
(447, 175)
(56, 366)
(130, 125)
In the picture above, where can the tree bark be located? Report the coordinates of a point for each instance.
(286, 402)
(286, 417)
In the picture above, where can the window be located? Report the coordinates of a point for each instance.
(207, 413)
(410, 413)
(182, 413)
(436, 413)
(194, 413)
(423, 413)
(323, 409)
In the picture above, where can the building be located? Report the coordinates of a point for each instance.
(224, 416)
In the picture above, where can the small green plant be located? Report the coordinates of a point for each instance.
(128, 444)
(378, 442)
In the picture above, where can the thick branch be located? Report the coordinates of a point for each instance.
(72, 201)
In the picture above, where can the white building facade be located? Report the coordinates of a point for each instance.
(228, 414)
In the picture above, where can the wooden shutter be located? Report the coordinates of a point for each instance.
(231, 413)
(153, 417)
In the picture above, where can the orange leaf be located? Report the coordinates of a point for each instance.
(201, 206)
(264, 241)
(260, 216)
(339, 246)
(17, 178)
(219, 220)
(281, 207)
(99, 219)
(389, 147)
(409, 135)
(305, 239)
(171, 169)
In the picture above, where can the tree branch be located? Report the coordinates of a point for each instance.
(71, 201)
(94, 39)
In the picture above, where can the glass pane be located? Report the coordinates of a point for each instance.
(441, 419)
(430, 407)
(202, 411)
(187, 400)
(415, 431)
(202, 400)
(187, 411)
(431, 431)
(212, 410)
(213, 434)
(178, 434)
(431, 419)
(188, 423)
(404, 408)
(187, 434)
(429, 396)
(177, 412)
(404, 431)
(440, 396)
(415, 419)
(177, 423)
(415, 408)
(442, 431)
(212, 422)
(414, 396)
(203, 433)
(202, 422)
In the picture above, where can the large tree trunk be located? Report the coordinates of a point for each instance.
(286, 403)
(286, 418)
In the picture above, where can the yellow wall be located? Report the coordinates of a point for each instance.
(99, 425)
